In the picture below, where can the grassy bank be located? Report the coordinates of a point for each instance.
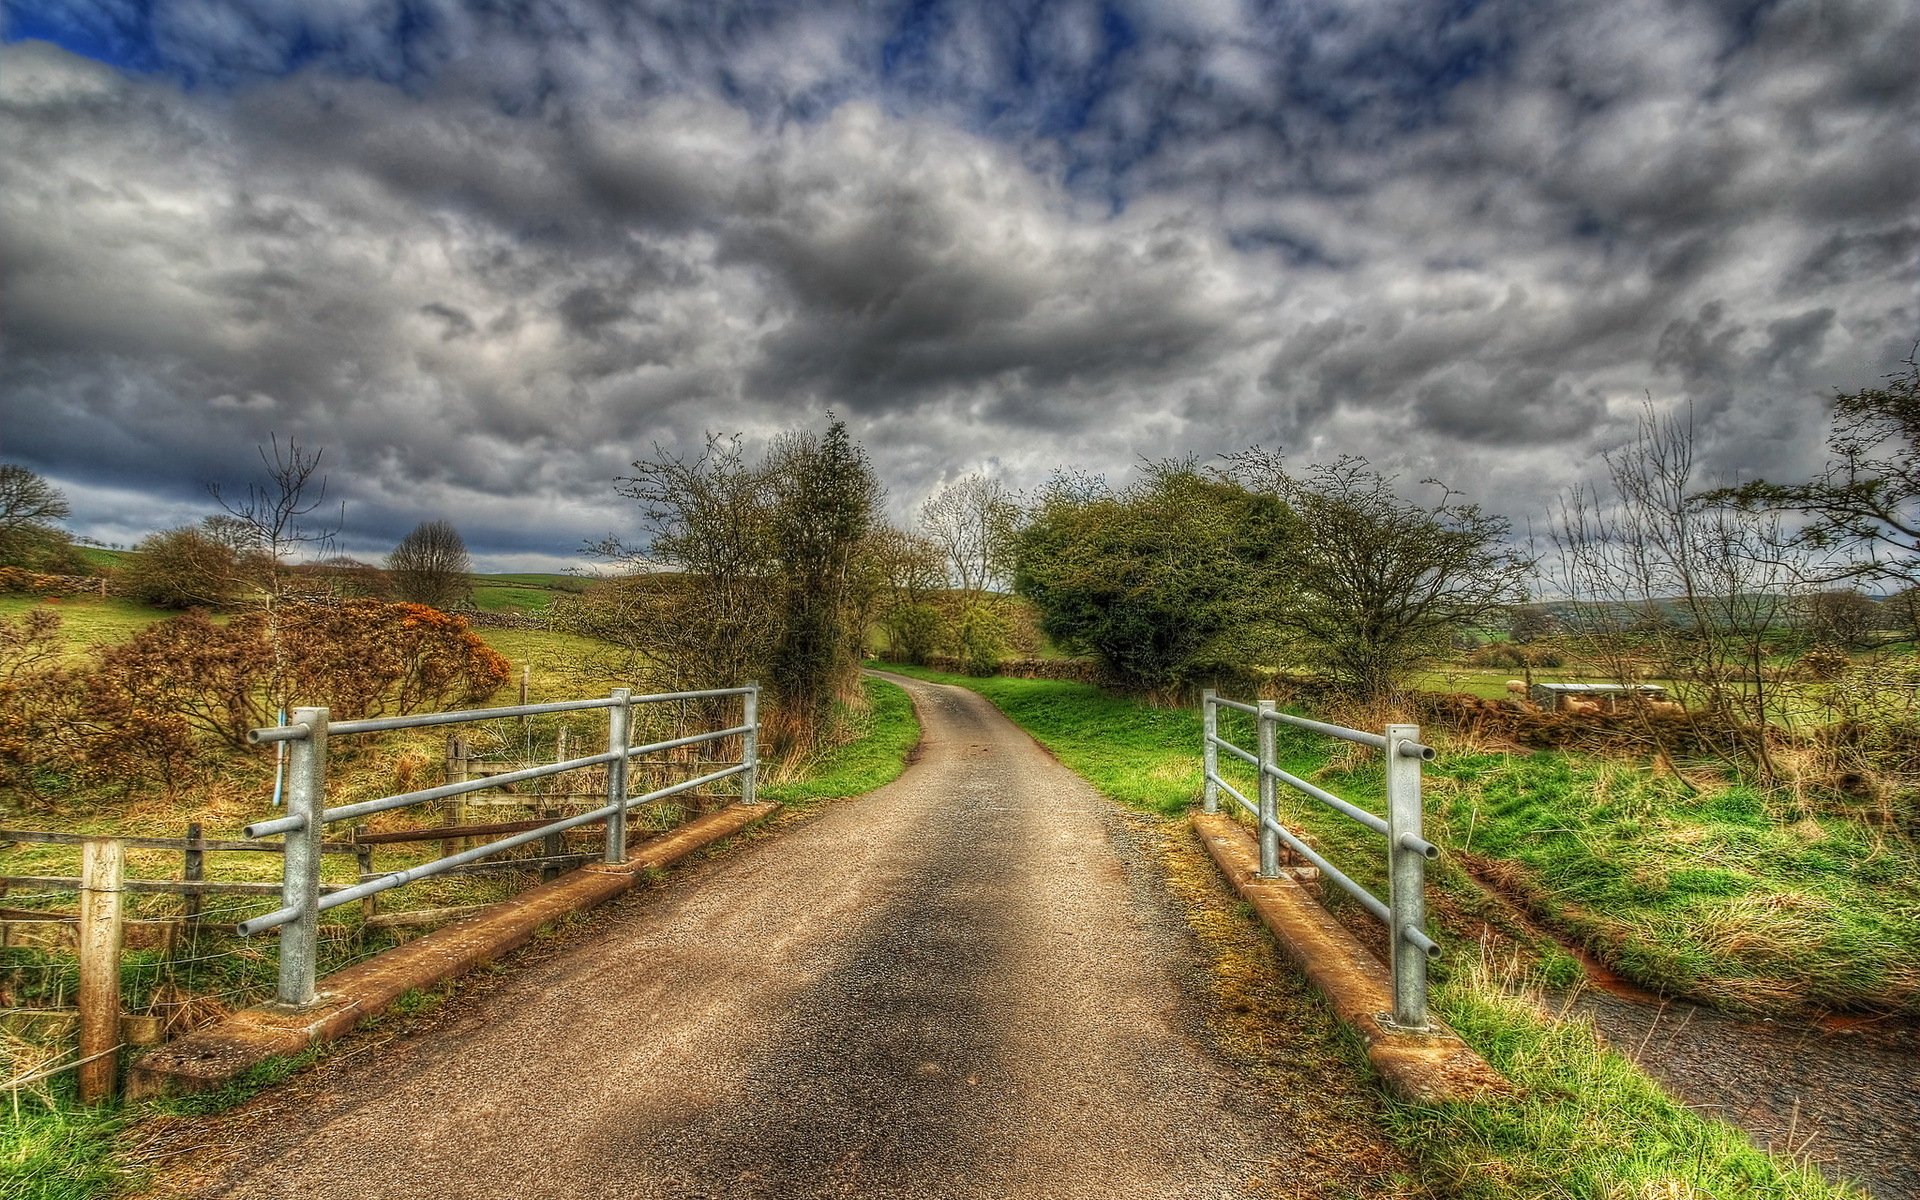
(1586, 1122)
(878, 743)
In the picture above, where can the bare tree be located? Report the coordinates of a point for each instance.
(1663, 583)
(29, 508)
(431, 565)
(28, 500)
(971, 520)
(269, 525)
(272, 516)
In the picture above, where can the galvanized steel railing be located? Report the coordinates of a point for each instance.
(308, 816)
(1404, 912)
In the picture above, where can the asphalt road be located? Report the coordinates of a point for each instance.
(953, 986)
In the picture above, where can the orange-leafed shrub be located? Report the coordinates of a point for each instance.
(359, 658)
(364, 658)
(38, 718)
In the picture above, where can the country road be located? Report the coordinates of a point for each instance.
(971, 982)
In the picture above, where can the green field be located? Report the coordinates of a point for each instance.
(524, 592)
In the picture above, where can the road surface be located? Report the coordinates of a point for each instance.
(955, 986)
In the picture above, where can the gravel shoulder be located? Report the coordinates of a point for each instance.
(980, 980)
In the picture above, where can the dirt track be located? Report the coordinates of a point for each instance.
(958, 985)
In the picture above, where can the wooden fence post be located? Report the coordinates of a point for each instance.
(102, 872)
(456, 807)
(195, 870)
(363, 865)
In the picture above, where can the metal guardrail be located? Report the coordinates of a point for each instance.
(1404, 912)
(302, 897)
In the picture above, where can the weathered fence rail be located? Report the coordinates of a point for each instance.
(1404, 912)
(303, 898)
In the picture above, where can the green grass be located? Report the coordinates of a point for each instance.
(1707, 895)
(1132, 752)
(882, 738)
(58, 1151)
(524, 592)
(88, 621)
(1585, 1123)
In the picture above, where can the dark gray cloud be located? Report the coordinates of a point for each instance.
(487, 257)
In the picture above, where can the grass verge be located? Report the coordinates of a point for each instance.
(880, 740)
(1586, 1122)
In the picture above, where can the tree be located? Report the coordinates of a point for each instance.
(1844, 619)
(431, 565)
(1380, 584)
(270, 522)
(911, 570)
(748, 570)
(1661, 580)
(29, 535)
(972, 521)
(822, 494)
(1172, 579)
(1865, 503)
(184, 568)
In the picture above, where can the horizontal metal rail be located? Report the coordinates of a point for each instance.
(304, 897)
(1404, 910)
(693, 740)
(1251, 759)
(1377, 824)
(1340, 731)
(444, 791)
(294, 732)
(1230, 790)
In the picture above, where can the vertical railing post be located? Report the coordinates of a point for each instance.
(1407, 877)
(300, 880)
(1269, 815)
(1209, 753)
(619, 719)
(750, 746)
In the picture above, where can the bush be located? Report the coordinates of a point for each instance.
(1168, 581)
(360, 658)
(38, 721)
(183, 568)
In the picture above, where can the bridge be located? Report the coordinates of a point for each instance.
(967, 983)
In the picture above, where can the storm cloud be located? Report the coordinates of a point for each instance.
(488, 256)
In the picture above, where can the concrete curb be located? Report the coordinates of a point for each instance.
(211, 1057)
(1420, 1068)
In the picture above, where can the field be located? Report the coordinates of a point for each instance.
(523, 593)
(1586, 1122)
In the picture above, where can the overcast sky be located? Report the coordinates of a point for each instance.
(486, 255)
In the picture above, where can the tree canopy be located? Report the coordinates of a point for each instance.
(431, 565)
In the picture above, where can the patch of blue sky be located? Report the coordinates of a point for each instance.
(116, 32)
(237, 46)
